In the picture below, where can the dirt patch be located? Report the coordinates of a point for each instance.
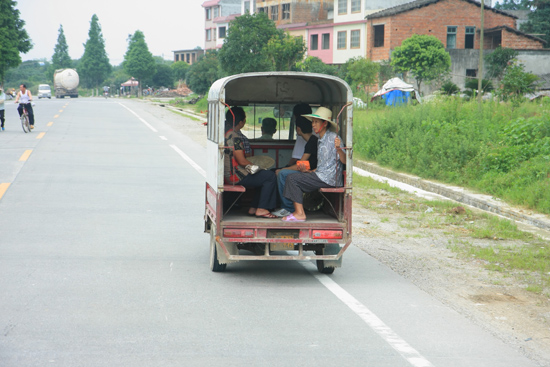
(404, 237)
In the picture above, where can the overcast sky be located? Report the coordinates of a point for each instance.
(168, 25)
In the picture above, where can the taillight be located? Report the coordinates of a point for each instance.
(238, 233)
(327, 235)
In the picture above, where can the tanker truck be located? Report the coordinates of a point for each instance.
(65, 82)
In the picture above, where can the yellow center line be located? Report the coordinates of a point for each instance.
(3, 188)
(60, 110)
(41, 135)
(56, 116)
(50, 123)
(26, 155)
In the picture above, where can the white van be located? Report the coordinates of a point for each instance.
(44, 91)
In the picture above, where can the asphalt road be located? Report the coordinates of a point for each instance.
(103, 262)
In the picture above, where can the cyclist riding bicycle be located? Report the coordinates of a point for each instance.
(26, 98)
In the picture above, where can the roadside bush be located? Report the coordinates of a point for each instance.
(496, 148)
(449, 88)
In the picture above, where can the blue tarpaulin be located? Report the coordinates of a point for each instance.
(396, 98)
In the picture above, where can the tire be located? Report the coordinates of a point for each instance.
(322, 269)
(321, 265)
(215, 265)
(25, 123)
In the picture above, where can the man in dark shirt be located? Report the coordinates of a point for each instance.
(304, 130)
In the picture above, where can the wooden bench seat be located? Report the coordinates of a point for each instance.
(234, 188)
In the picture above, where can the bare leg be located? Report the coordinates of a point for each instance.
(299, 212)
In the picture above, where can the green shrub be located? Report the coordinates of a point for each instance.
(450, 88)
(496, 148)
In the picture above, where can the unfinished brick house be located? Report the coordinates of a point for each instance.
(456, 23)
(295, 11)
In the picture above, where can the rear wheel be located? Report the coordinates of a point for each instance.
(25, 123)
(214, 263)
(321, 264)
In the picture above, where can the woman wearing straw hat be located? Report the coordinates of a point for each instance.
(330, 161)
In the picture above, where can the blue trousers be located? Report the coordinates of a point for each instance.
(281, 180)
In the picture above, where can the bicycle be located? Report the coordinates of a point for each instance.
(25, 119)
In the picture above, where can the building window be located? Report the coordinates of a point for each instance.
(472, 73)
(275, 12)
(208, 34)
(314, 42)
(379, 35)
(341, 41)
(247, 6)
(325, 45)
(451, 37)
(469, 38)
(208, 13)
(286, 11)
(262, 10)
(177, 57)
(221, 32)
(355, 6)
(216, 12)
(342, 6)
(355, 39)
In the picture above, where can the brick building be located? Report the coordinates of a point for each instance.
(189, 56)
(456, 23)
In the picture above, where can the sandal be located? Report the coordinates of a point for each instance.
(292, 218)
(267, 215)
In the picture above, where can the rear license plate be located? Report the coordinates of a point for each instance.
(282, 246)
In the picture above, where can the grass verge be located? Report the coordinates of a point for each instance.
(497, 242)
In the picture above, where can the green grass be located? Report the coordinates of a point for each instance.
(529, 262)
(498, 149)
(506, 249)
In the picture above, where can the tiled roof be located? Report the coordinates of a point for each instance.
(210, 3)
(422, 3)
(513, 30)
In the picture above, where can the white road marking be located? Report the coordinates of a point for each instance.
(163, 137)
(377, 325)
(400, 185)
(139, 118)
(189, 160)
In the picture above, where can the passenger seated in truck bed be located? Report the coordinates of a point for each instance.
(239, 170)
(330, 160)
(305, 131)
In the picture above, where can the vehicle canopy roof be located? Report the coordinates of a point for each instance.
(281, 87)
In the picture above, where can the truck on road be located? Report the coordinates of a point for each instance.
(65, 82)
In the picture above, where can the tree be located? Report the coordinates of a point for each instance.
(244, 47)
(60, 57)
(363, 72)
(180, 68)
(498, 60)
(284, 51)
(138, 61)
(423, 56)
(164, 76)
(516, 82)
(14, 39)
(312, 64)
(204, 72)
(94, 66)
(514, 5)
(539, 20)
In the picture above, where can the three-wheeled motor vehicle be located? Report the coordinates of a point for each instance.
(236, 236)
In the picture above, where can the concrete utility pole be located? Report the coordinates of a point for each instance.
(480, 65)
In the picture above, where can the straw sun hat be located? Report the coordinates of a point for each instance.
(323, 113)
